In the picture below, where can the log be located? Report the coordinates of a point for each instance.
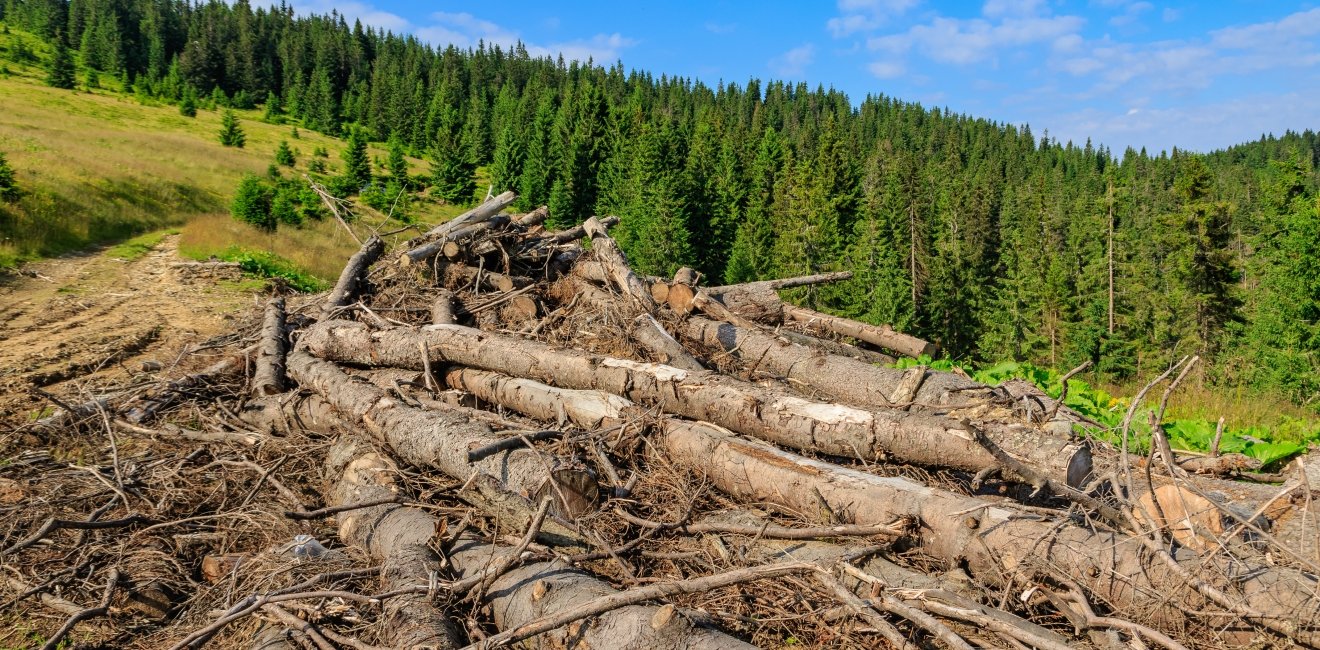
(836, 348)
(645, 330)
(680, 297)
(687, 275)
(353, 275)
(399, 535)
(268, 376)
(881, 335)
(761, 305)
(786, 283)
(441, 440)
(482, 212)
(991, 541)
(442, 308)
(534, 218)
(396, 536)
(564, 236)
(457, 276)
(450, 243)
(610, 256)
(768, 413)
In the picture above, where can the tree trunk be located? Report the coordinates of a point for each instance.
(437, 439)
(612, 258)
(351, 278)
(996, 544)
(772, 414)
(450, 243)
(442, 308)
(394, 535)
(486, 210)
(268, 377)
(786, 283)
(881, 335)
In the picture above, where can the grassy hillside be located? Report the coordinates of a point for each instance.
(100, 166)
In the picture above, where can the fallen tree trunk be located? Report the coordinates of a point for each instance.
(786, 283)
(771, 414)
(351, 278)
(997, 544)
(448, 244)
(397, 536)
(268, 377)
(500, 484)
(881, 335)
(482, 212)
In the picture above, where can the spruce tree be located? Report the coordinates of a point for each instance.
(8, 185)
(61, 73)
(231, 132)
(274, 109)
(357, 165)
(252, 203)
(188, 103)
(284, 155)
(397, 163)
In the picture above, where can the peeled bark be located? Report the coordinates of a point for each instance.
(268, 377)
(351, 278)
(767, 413)
(437, 439)
(397, 536)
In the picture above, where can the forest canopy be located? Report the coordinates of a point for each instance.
(984, 237)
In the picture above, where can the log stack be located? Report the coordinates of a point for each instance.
(511, 437)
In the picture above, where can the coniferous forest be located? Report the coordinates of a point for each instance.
(992, 240)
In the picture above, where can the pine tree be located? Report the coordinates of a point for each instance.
(397, 163)
(61, 73)
(357, 165)
(655, 232)
(535, 183)
(284, 155)
(452, 172)
(752, 253)
(188, 103)
(231, 132)
(274, 109)
(252, 203)
(8, 184)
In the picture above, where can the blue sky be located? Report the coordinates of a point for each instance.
(1196, 75)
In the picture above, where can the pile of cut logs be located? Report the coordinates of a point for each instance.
(522, 440)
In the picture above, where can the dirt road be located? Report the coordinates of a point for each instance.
(76, 326)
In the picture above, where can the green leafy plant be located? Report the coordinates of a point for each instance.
(1266, 445)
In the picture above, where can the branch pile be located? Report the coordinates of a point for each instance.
(498, 434)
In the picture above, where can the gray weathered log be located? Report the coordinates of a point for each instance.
(995, 543)
(442, 308)
(394, 535)
(268, 374)
(439, 439)
(351, 278)
(768, 413)
(458, 235)
(482, 212)
(881, 335)
(785, 283)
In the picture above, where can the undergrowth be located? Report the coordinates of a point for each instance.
(1272, 445)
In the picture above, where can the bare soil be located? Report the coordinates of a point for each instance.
(73, 325)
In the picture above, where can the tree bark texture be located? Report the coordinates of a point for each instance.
(268, 376)
(354, 273)
(768, 413)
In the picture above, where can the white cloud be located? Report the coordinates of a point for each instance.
(1298, 29)
(865, 15)
(959, 41)
(999, 8)
(794, 62)
(1209, 125)
(464, 30)
(351, 11)
(1131, 14)
(887, 69)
